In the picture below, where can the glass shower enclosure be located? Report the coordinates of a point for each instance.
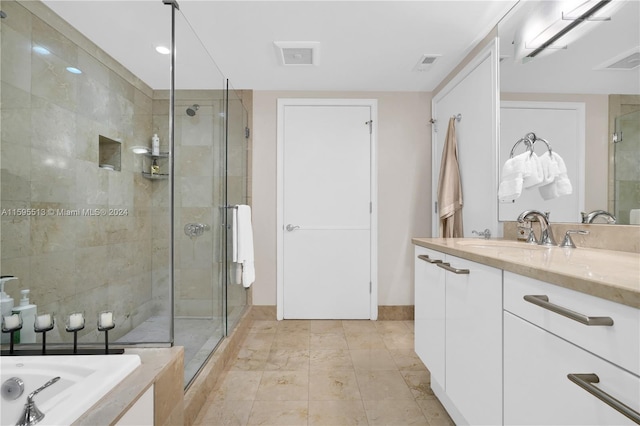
(627, 168)
(93, 219)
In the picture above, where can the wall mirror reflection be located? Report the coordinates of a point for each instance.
(595, 66)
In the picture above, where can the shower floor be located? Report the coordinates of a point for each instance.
(198, 336)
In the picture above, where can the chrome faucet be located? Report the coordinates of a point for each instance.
(31, 414)
(546, 234)
(590, 217)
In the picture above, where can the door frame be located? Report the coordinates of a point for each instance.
(282, 104)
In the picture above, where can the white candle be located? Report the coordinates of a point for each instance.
(106, 319)
(11, 322)
(43, 322)
(76, 321)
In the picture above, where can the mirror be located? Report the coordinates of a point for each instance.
(597, 65)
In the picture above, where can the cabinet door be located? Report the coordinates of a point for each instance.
(538, 391)
(429, 312)
(474, 341)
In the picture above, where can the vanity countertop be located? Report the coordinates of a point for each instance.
(608, 274)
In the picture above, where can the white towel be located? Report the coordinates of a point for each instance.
(550, 169)
(561, 185)
(511, 180)
(242, 245)
(533, 175)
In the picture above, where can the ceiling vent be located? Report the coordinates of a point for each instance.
(626, 61)
(425, 62)
(298, 52)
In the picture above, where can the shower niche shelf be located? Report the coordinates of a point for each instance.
(155, 176)
(147, 166)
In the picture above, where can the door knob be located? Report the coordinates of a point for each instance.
(291, 227)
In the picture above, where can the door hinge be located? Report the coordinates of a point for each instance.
(435, 205)
(370, 286)
(247, 132)
(370, 207)
(617, 137)
(370, 123)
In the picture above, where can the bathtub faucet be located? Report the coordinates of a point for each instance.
(31, 415)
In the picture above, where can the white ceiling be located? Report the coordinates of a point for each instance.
(364, 45)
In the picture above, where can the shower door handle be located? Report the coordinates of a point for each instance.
(291, 227)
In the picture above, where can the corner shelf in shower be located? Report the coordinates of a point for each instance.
(155, 176)
(159, 155)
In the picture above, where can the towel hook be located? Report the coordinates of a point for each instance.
(458, 117)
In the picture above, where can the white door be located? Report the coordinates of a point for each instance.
(325, 219)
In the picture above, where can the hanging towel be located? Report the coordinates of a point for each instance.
(450, 187)
(561, 185)
(511, 181)
(533, 175)
(550, 170)
(242, 245)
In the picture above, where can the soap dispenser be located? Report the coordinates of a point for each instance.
(29, 313)
(6, 302)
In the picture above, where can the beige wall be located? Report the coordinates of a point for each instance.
(597, 141)
(404, 186)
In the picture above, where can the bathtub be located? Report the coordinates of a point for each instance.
(84, 379)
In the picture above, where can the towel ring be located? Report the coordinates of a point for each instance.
(529, 140)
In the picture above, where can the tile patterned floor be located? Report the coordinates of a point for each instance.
(332, 373)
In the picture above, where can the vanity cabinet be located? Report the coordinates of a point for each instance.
(542, 347)
(429, 313)
(458, 330)
(537, 389)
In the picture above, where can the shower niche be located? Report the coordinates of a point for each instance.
(109, 154)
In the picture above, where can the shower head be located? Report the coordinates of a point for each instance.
(191, 111)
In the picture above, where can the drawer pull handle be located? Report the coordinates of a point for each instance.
(543, 302)
(428, 259)
(450, 268)
(586, 381)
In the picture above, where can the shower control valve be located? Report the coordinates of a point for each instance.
(193, 230)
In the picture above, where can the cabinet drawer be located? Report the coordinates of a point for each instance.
(618, 343)
(538, 391)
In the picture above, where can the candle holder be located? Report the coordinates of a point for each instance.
(11, 324)
(105, 323)
(44, 323)
(73, 324)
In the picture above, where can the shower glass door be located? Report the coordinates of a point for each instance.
(627, 168)
(236, 174)
(199, 195)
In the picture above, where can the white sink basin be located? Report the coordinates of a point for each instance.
(502, 244)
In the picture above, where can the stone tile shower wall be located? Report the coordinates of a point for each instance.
(199, 181)
(51, 122)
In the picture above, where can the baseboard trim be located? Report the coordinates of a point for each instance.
(385, 313)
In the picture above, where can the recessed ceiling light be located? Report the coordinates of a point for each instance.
(163, 50)
(74, 70)
(140, 149)
(41, 50)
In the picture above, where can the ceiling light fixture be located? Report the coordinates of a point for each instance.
(587, 15)
(163, 50)
(74, 70)
(41, 50)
